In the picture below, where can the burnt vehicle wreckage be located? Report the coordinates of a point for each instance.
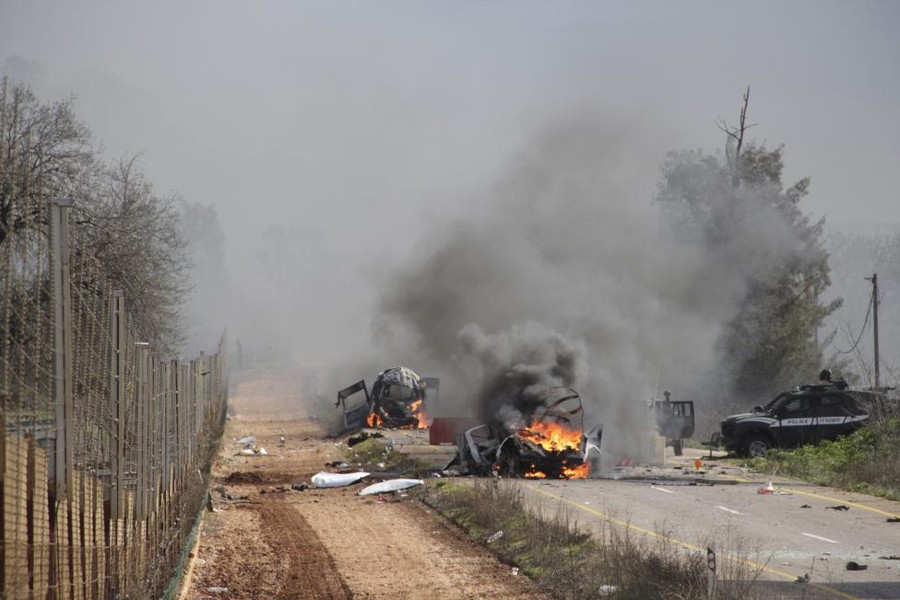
(398, 399)
(548, 443)
(809, 414)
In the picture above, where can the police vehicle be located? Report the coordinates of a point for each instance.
(807, 415)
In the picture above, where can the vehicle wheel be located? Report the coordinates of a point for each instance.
(678, 447)
(756, 445)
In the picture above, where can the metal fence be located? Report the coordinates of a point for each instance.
(104, 444)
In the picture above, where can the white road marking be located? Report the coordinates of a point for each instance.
(729, 510)
(818, 537)
(659, 489)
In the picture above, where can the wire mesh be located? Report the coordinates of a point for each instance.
(98, 464)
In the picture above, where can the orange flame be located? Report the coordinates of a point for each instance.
(373, 420)
(555, 437)
(417, 409)
(576, 471)
(552, 436)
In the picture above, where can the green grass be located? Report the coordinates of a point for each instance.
(866, 461)
(374, 454)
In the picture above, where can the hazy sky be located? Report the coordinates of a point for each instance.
(355, 122)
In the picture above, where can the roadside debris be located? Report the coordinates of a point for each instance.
(838, 507)
(893, 519)
(337, 464)
(391, 485)
(802, 579)
(242, 477)
(362, 436)
(891, 557)
(806, 506)
(254, 452)
(246, 441)
(494, 537)
(607, 589)
(330, 480)
(299, 486)
(855, 566)
(217, 589)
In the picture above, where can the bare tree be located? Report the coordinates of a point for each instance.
(135, 235)
(735, 139)
(44, 152)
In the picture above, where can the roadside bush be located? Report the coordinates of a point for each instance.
(866, 461)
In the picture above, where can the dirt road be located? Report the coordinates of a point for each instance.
(265, 540)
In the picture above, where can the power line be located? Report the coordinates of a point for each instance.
(861, 331)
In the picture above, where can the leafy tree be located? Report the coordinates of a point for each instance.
(737, 207)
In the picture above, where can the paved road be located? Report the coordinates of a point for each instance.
(778, 536)
(782, 535)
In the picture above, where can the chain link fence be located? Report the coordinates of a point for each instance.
(105, 445)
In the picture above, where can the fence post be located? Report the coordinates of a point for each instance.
(167, 404)
(62, 344)
(117, 404)
(142, 413)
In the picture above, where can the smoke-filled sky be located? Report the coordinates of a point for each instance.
(338, 141)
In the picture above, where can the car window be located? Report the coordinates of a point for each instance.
(862, 404)
(833, 405)
(795, 407)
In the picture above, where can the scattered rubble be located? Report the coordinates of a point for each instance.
(493, 538)
(254, 452)
(243, 477)
(838, 507)
(362, 436)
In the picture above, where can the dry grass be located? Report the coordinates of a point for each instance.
(572, 564)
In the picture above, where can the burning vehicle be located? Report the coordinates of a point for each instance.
(548, 443)
(397, 400)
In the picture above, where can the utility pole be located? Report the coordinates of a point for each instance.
(874, 280)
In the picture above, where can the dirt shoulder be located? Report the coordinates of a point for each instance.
(266, 540)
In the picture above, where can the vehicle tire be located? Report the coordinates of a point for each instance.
(756, 445)
(678, 447)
